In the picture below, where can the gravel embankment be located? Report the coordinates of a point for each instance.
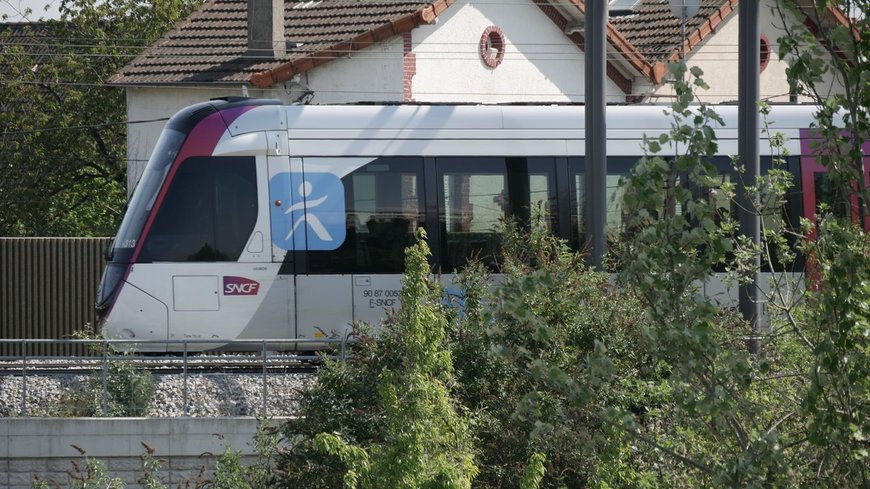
(207, 394)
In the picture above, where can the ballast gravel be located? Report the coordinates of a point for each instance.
(200, 395)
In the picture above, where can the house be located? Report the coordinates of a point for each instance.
(480, 51)
(26, 38)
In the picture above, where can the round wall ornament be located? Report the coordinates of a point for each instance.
(492, 46)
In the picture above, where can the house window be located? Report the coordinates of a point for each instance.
(764, 46)
(492, 46)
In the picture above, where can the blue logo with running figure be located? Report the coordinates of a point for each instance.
(309, 211)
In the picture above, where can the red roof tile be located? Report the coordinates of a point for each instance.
(210, 46)
(656, 33)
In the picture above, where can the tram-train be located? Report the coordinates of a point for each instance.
(255, 219)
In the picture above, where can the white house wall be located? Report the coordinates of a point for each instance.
(540, 64)
(374, 74)
(371, 75)
(717, 57)
(771, 23)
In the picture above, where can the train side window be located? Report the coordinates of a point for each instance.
(784, 217)
(208, 213)
(826, 194)
(617, 168)
(542, 187)
(384, 206)
(725, 175)
(478, 193)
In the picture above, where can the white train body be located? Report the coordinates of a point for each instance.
(258, 220)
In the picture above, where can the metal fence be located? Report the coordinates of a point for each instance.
(22, 373)
(47, 288)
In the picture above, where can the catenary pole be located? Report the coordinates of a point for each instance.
(595, 103)
(748, 141)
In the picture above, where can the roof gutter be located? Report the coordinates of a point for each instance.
(286, 71)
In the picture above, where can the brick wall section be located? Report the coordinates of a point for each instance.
(409, 68)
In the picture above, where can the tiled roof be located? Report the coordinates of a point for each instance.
(31, 38)
(654, 31)
(210, 46)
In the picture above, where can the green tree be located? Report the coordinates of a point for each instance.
(386, 418)
(796, 413)
(63, 157)
(726, 425)
(826, 45)
(533, 370)
(837, 318)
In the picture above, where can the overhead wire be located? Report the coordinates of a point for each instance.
(84, 126)
(651, 51)
(228, 88)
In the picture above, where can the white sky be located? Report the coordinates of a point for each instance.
(14, 10)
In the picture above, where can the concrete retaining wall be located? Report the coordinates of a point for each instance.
(43, 447)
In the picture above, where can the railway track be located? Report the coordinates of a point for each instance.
(164, 365)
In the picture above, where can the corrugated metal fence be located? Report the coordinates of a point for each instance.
(47, 288)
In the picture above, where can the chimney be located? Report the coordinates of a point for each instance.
(266, 29)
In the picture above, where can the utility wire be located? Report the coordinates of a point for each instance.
(73, 128)
(224, 88)
(652, 52)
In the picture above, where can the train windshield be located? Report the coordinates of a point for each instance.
(146, 193)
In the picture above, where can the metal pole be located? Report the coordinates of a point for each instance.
(595, 101)
(265, 385)
(184, 379)
(105, 378)
(23, 377)
(748, 135)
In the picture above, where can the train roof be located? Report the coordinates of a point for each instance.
(444, 129)
(511, 116)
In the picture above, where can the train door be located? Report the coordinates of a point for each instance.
(817, 189)
(816, 186)
(385, 198)
(324, 308)
(270, 316)
(362, 214)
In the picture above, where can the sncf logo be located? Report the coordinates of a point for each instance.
(240, 286)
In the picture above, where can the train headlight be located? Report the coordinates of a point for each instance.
(108, 285)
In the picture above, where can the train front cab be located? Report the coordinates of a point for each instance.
(191, 260)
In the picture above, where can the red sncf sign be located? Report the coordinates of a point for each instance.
(240, 286)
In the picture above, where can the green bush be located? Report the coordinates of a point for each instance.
(550, 313)
(386, 417)
(128, 389)
(531, 364)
